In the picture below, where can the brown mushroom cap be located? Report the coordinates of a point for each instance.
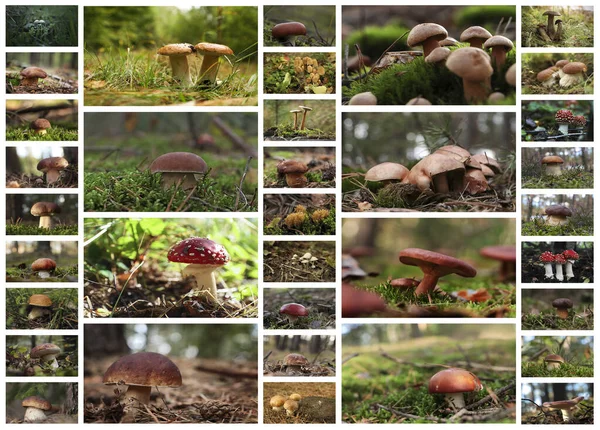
(290, 406)
(562, 303)
(487, 161)
(503, 253)
(52, 163)
(551, 13)
(418, 101)
(554, 358)
(287, 29)
(449, 41)
(176, 49)
(545, 74)
(563, 404)
(43, 264)
(422, 34)
(277, 401)
(438, 55)
(454, 380)
(45, 209)
(36, 402)
(475, 35)
(213, 49)
(422, 174)
(40, 124)
(441, 264)
(33, 72)
(459, 154)
(386, 172)
(574, 67)
(44, 349)
(552, 159)
(471, 64)
(295, 360)
(561, 63)
(498, 41)
(40, 300)
(291, 166)
(559, 210)
(145, 369)
(511, 75)
(178, 162)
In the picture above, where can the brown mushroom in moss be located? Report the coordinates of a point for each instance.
(558, 215)
(428, 35)
(52, 167)
(475, 36)
(506, 255)
(500, 46)
(553, 361)
(47, 353)
(40, 126)
(552, 165)
(40, 305)
(31, 75)
(294, 173)
(179, 167)
(43, 267)
(562, 306)
(45, 210)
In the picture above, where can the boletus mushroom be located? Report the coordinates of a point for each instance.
(179, 167)
(428, 35)
(453, 383)
(566, 407)
(558, 215)
(30, 76)
(177, 53)
(437, 172)
(45, 210)
(286, 32)
(552, 165)
(52, 167)
(40, 305)
(473, 65)
(553, 361)
(40, 126)
(294, 362)
(210, 62)
(562, 306)
(34, 409)
(47, 353)
(294, 173)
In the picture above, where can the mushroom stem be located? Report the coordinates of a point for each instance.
(139, 394)
(440, 184)
(291, 318)
(557, 220)
(37, 312)
(52, 360)
(549, 272)
(303, 124)
(569, 270)
(476, 91)
(209, 69)
(52, 175)
(499, 55)
(563, 314)
(427, 285)
(429, 45)
(456, 399)
(553, 169)
(45, 221)
(568, 415)
(34, 415)
(181, 71)
(508, 270)
(43, 274)
(206, 284)
(563, 128)
(559, 272)
(295, 120)
(40, 131)
(296, 180)
(188, 180)
(552, 365)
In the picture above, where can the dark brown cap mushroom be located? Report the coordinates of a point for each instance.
(475, 36)
(562, 306)
(473, 65)
(550, 27)
(558, 214)
(40, 126)
(552, 165)
(210, 62)
(287, 31)
(434, 266)
(177, 53)
(52, 167)
(45, 210)
(43, 267)
(438, 172)
(179, 166)
(294, 173)
(30, 76)
(573, 74)
(47, 353)
(427, 35)
(294, 362)
(506, 255)
(35, 407)
(453, 383)
(553, 361)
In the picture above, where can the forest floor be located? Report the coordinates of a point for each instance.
(293, 214)
(320, 303)
(566, 370)
(571, 179)
(53, 84)
(306, 390)
(69, 178)
(535, 317)
(299, 73)
(299, 261)
(33, 230)
(578, 225)
(56, 133)
(321, 364)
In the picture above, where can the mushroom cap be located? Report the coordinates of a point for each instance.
(52, 163)
(295, 360)
(574, 67)
(546, 74)
(449, 41)
(295, 396)
(438, 163)
(305, 108)
(290, 405)
(176, 49)
(144, 369)
(44, 349)
(560, 259)
(554, 358)
(578, 120)
(404, 283)
(366, 98)
(558, 210)
(441, 263)
(36, 402)
(498, 41)
(294, 309)
(506, 253)
(511, 75)
(454, 380)
(547, 257)
(552, 159)
(551, 13)
(43, 264)
(422, 101)
(198, 250)
(471, 64)
(40, 124)
(213, 49)
(386, 171)
(33, 72)
(475, 32)
(291, 166)
(178, 162)
(296, 111)
(40, 300)
(286, 29)
(277, 401)
(437, 55)
(563, 115)
(562, 303)
(563, 404)
(570, 254)
(487, 161)
(561, 63)
(44, 209)
(422, 32)
(459, 154)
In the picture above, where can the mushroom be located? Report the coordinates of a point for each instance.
(475, 181)
(571, 256)
(438, 172)
(47, 353)
(43, 267)
(563, 118)
(179, 166)
(559, 260)
(295, 396)
(496, 97)
(562, 306)
(438, 56)
(547, 77)
(357, 302)
(286, 32)
(551, 14)
(558, 214)
(140, 372)
(453, 383)
(553, 361)
(39, 306)
(566, 407)
(418, 101)
(294, 173)
(559, 65)
(30, 76)
(474, 67)
(40, 126)
(559, 30)
(511, 76)
(449, 41)
(290, 406)
(355, 62)
(52, 167)
(13, 184)
(210, 62)
(386, 172)
(488, 162)
(45, 210)
(547, 258)
(434, 266)
(203, 257)
(294, 362)
(475, 36)
(427, 35)
(277, 402)
(35, 407)
(293, 311)
(500, 46)
(573, 74)
(578, 121)
(295, 112)
(306, 109)
(177, 53)
(404, 283)
(506, 255)
(552, 165)
(366, 99)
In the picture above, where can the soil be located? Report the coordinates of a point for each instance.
(282, 262)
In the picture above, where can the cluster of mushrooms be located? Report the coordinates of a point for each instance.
(473, 64)
(450, 169)
(566, 120)
(564, 72)
(178, 53)
(289, 404)
(553, 30)
(566, 258)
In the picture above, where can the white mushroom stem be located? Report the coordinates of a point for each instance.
(557, 220)
(456, 399)
(188, 180)
(549, 272)
(290, 412)
(291, 318)
(43, 274)
(34, 415)
(563, 128)
(569, 269)
(37, 312)
(52, 175)
(277, 408)
(570, 80)
(210, 67)
(40, 131)
(180, 68)
(205, 280)
(553, 169)
(137, 394)
(552, 365)
(45, 221)
(568, 414)
(50, 358)
(559, 272)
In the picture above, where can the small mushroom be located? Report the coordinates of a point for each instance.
(296, 112)
(428, 35)
(559, 30)
(500, 46)
(567, 407)
(290, 406)
(294, 173)
(552, 165)
(449, 41)
(13, 184)
(40, 305)
(558, 214)
(573, 74)
(453, 383)
(438, 172)
(294, 362)
(418, 101)
(547, 77)
(562, 306)
(404, 283)
(286, 32)
(177, 53)
(34, 409)
(295, 396)
(47, 353)
(511, 76)
(553, 361)
(30, 76)
(559, 65)
(43, 267)
(474, 67)
(559, 260)
(434, 266)
(40, 126)
(386, 172)
(365, 99)
(293, 311)
(506, 255)
(210, 62)
(52, 167)
(277, 402)
(45, 210)
(550, 27)
(475, 36)
(306, 109)
(571, 256)
(438, 56)
(578, 121)
(563, 118)
(176, 167)
(547, 258)
(203, 257)
(496, 97)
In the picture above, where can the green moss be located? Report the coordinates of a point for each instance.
(62, 133)
(547, 320)
(326, 226)
(287, 132)
(484, 16)
(579, 225)
(566, 370)
(60, 274)
(374, 40)
(30, 230)
(569, 179)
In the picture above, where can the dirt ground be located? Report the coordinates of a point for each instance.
(282, 262)
(325, 389)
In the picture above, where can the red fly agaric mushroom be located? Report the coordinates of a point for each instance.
(553, 361)
(40, 305)
(210, 62)
(578, 121)
(290, 406)
(566, 407)
(386, 172)
(427, 35)
(286, 32)
(500, 46)
(573, 74)
(434, 266)
(552, 165)
(40, 126)
(293, 311)
(475, 36)
(203, 257)
(140, 372)
(547, 258)
(52, 167)
(177, 53)
(473, 65)
(277, 402)
(43, 267)
(453, 383)
(365, 99)
(34, 409)
(294, 173)
(563, 118)
(558, 214)
(438, 172)
(30, 76)
(547, 77)
(357, 302)
(294, 362)
(571, 256)
(507, 255)
(559, 260)
(562, 306)
(45, 210)
(47, 353)
(179, 166)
